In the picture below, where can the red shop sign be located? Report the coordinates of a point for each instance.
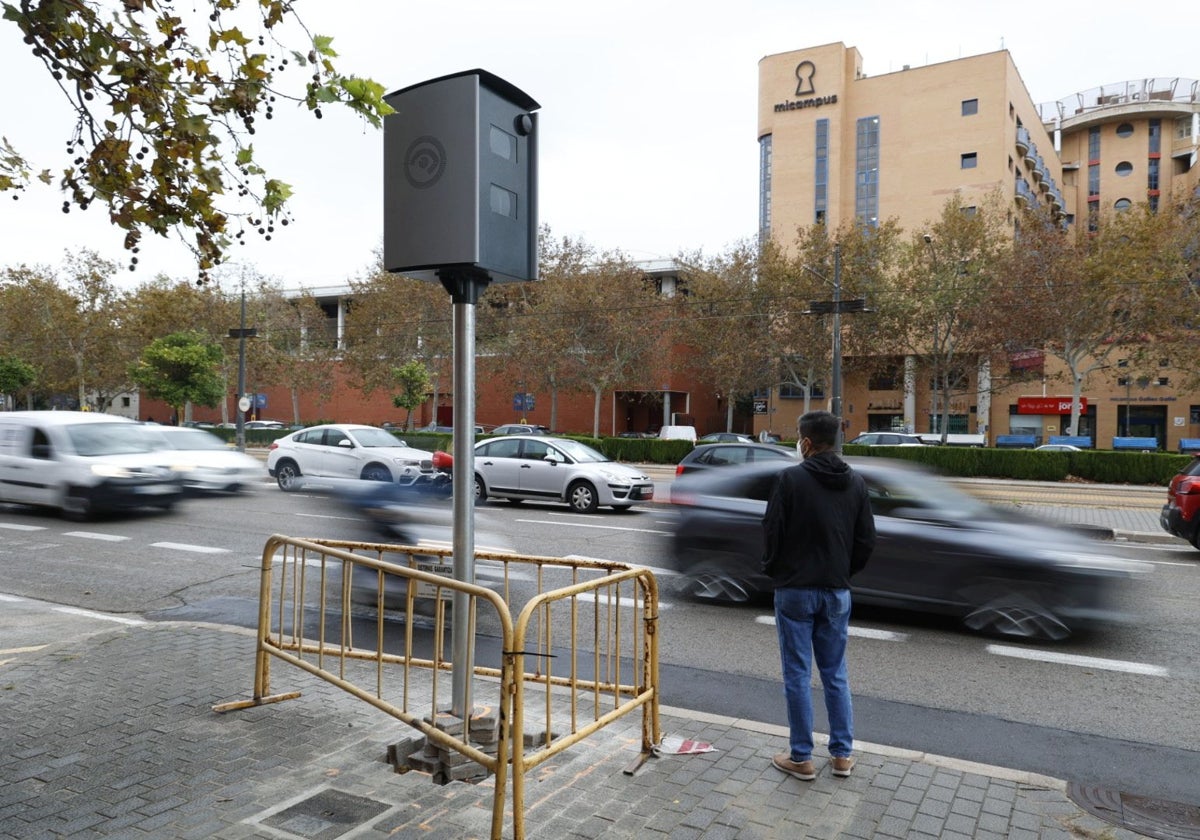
(1048, 405)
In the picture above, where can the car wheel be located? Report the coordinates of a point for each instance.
(712, 581)
(376, 472)
(76, 505)
(480, 491)
(581, 496)
(286, 473)
(1016, 615)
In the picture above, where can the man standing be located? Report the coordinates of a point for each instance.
(818, 531)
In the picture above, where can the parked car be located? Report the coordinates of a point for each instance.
(715, 455)
(348, 451)
(886, 439)
(543, 468)
(939, 550)
(677, 433)
(1056, 447)
(262, 424)
(520, 429)
(82, 463)
(205, 462)
(725, 437)
(1181, 514)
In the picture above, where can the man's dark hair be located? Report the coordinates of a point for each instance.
(821, 427)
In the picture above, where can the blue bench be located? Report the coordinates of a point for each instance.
(1187, 445)
(1016, 441)
(1082, 441)
(1135, 443)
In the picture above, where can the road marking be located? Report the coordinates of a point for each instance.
(325, 516)
(14, 527)
(623, 602)
(92, 535)
(196, 549)
(861, 632)
(12, 599)
(102, 616)
(602, 527)
(1080, 661)
(30, 649)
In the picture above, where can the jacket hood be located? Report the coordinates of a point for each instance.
(829, 469)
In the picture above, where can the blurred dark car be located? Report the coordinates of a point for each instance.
(939, 550)
(1181, 514)
(725, 437)
(713, 455)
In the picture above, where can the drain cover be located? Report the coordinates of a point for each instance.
(326, 815)
(1158, 818)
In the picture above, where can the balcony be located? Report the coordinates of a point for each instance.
(1023, 194)
(1039, 168)
(1022, 139)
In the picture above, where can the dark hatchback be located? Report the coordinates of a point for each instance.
(939, 550)
(1181, 514)
(709, 455)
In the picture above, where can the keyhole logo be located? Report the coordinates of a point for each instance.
(424, 162)
(805, 71)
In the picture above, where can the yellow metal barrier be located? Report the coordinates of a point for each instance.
(313, 592)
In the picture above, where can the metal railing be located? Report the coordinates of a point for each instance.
(316, 595)
(1171, 89)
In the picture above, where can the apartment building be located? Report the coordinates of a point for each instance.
(837, 144)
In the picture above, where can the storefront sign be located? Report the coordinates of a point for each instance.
(1049, 405)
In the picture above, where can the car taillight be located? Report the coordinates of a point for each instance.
(1188, 485)
(679, 469)
(273, 445)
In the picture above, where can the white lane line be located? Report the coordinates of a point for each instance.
(15, 527)
(325, 516)
(861, 632)
(601, 527)
(1079, 661)
(119, 619)
(655, 570)
(13, 599)
(623, 602)
(92, 535)
(31, 649)
(1170, 563)
(195, 549)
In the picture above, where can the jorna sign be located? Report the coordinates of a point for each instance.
(1048, 405)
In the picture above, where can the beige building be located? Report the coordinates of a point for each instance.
(837, 145)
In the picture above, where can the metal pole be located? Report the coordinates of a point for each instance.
(241, 418)
(465, 290)
(836, 386)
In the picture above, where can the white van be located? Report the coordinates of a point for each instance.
(82, 463)
(677, 433)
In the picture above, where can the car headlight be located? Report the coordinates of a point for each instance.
(110, 471)
(614, 477)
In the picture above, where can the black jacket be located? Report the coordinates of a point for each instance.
(818, 529)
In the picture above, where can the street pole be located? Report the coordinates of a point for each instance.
(836, 385)
(241, 415)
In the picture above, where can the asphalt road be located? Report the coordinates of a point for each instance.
(1118, 708)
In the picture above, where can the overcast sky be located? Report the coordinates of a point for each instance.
(648, 117)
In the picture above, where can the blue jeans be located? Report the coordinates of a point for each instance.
(814, 622)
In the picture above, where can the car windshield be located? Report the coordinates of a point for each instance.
(191, 439)
(580, 452)
(371, 438)
(93, 439)
(891, 491)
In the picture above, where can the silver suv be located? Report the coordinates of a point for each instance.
(886, 439)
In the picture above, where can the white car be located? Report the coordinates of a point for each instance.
(347, 451)
(205, 462)
(544, 468)
(82, 463)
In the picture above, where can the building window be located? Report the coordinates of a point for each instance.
(821, 175)
(969, 161)
(1093, 180)
(793, 391)
(1125, 130)
(1152, 174)
(890, 379)
(1094, 143)
(1155, 137)
(764, 187)
(969, 211)
(970, 107)
(866, 171)
(1122, 204)
(1124, 168)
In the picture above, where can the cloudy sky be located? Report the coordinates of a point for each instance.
(648, 117)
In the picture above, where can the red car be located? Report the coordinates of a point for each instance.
(1181, 514)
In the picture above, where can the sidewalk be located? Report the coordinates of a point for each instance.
(112, 735)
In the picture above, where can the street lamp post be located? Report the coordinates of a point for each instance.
(835, 307)
(241, 335)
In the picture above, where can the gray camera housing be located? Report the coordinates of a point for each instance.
(460, 179)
